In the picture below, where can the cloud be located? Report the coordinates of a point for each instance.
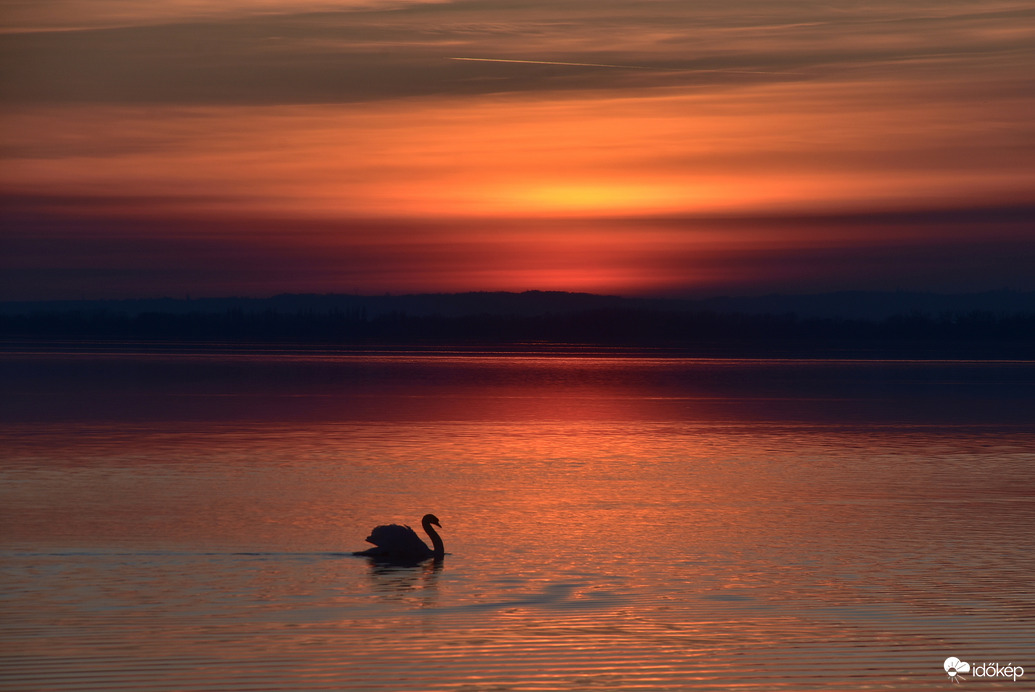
(788, 146)
(54, 250)
(373, 54)
(72, 15)
(191, 121)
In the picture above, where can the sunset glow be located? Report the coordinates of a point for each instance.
(111, 116)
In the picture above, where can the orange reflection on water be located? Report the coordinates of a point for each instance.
(633, 523)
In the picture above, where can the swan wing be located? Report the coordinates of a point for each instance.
(397, 539)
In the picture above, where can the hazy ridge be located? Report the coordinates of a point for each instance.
(851, 305)
(993, 325)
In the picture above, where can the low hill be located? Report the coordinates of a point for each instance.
(850, 305)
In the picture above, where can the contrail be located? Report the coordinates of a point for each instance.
(554, 62)
(623, 67)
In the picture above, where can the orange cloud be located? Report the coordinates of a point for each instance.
(778, 146)
(559, 162)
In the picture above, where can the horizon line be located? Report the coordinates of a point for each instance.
(187, 297)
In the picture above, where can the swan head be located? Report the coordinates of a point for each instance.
(430, 519)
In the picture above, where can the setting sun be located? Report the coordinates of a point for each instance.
(597, 198)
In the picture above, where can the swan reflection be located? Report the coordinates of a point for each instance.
(414, 586)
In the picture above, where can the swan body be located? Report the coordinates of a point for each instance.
(401, 543)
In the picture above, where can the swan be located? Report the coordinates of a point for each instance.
(394, 542)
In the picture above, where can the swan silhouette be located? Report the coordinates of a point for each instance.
(397, 543)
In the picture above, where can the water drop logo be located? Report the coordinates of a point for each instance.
(953, 667)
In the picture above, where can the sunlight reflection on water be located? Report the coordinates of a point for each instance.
(614, 523)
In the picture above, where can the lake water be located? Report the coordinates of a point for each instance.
(181, 520)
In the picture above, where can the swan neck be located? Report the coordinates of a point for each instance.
(436, 541)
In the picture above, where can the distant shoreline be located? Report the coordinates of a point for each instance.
(850, 305)
(919, 339)
(534, 321)
(1001, 353)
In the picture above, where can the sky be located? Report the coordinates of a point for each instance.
(631, 147)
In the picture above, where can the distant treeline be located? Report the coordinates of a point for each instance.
(978, 334)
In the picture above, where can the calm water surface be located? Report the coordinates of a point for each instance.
(182, 521)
